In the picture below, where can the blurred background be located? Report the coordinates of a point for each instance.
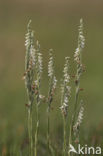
(56, 26)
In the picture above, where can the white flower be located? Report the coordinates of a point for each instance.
(28, 36)
(81, 43)
(81, 37)
(40, 66)
(33, 55)
(27, 39)
(77, 55)
(51, 65)
(80, 116)
(36, 82)
(41, 96)
(64, 106)
(65, 88)
(54, 82)
(66, 100)
(66, 70)
(79, 119)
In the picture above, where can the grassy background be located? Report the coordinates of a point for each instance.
(55, 23)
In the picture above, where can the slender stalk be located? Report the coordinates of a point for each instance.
(37, 93)
(48, 116)
(52, 87)
(64, 139)
(29, 79)
(70, 141)
(37, 128)
(37, 122)
(78, 59)
(76, 102)
(65, 96)
(48, 129)
(50, 148)
(30, 131)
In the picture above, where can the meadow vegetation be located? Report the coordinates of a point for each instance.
(33, 78)
(55, 24)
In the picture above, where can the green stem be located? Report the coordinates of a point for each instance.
(50, 148)
(75, 105)
(70, 140)
(64, 133)
(73, 118)
(48, 130)
(30, 131)
(37, 127)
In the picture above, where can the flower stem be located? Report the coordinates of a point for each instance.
(37, 127)
(30, 131)
(64, 133)
(50, 148)
(48, 130)
(75, 105)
